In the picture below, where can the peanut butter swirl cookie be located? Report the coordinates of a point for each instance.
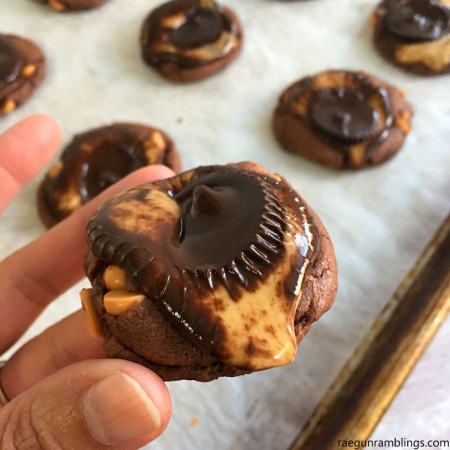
(414, 34)
(218, 271)
(95, 160)
(343, 119)
(188, 40)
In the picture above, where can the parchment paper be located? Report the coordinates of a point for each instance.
(379, 219)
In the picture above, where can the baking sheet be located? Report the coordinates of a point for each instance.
(379, 219)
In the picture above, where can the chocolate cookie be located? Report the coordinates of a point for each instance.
(219, 271)
(188, 40)
(414, 34)
(96, 159)
(72, 5)
(341, 119)
(22, 69)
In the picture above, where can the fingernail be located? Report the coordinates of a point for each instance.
(117, 410)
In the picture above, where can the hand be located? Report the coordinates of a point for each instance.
(60, 395)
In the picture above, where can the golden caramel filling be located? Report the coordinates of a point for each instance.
(8, 106)
(118, 300)
(154, 147)
(210, 51)
(93, 320)
(55, 170)
(56, 5)
(29, 70)
(114, 278)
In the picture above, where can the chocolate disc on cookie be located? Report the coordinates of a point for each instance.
(188, 40)
(342, 119)
(219, 271)
(72, 5)
(414, 34)
(96, 159)
(22, 69)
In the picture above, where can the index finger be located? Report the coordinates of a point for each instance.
(35, 275)
(24, 150)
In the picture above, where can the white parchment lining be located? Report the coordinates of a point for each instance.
(379, 219)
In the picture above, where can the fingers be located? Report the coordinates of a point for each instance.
(89, 405)
(24, 150)
(65, 343)
(35, 275)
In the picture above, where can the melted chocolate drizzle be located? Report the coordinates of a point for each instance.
(418, 20)
(343, 113)
(10, 62)
(230, 233)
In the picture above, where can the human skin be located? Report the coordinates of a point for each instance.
(55, 381)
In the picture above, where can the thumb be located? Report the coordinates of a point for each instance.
(88, 405)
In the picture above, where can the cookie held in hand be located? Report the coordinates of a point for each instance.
(414, 34)
(96, 159)
(342, 119)
(22, 69)
(218, 271)
(189, 40)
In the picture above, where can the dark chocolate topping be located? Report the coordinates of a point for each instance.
(10, 62)
(229, 232)
(98, 158)
(343, 113)
(188, 26)
(223, 227)
(221, 216)
(418, 20)
(108, 164)
(203, 26)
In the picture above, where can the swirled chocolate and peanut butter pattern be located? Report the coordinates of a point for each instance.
(187, 40)
(222, 250)
(343, 119)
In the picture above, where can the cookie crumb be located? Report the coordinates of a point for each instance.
(195, 421)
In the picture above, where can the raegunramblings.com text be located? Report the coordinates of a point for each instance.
(401, 443)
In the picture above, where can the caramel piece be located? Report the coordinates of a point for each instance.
(118, 302)
(8, 106)
(158, 140)
(403, 122)
(29, 70)
(55, 169)
(92, 317)
(114, 278)
(57, 6)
